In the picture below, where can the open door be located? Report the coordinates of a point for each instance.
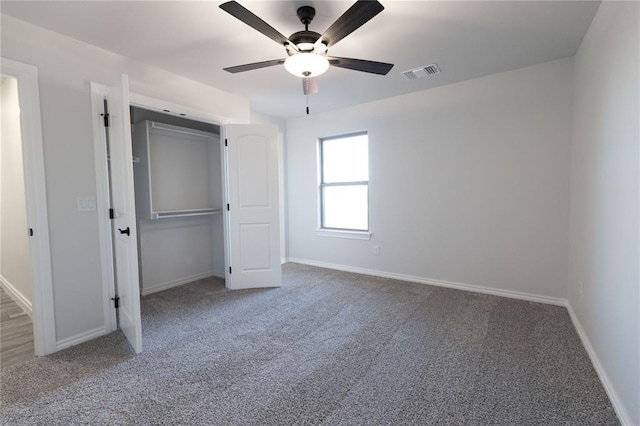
(124, 220)
(254, 224)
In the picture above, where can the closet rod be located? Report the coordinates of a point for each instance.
(185, 213)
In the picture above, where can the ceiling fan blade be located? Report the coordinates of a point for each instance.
(254, 66)
(355, 17)
(310, 85)
(373, 67)
(245, 15)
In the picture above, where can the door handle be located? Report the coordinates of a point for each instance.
(125, 231)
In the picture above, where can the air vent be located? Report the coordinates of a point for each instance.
(424, 71)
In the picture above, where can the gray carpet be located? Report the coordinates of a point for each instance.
(329, 348)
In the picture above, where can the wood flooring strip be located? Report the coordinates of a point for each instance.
(16, 333)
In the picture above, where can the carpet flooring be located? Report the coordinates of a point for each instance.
(328, 347)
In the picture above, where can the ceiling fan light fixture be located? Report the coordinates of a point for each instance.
(306, 64)
(305, 47)
(320, 48)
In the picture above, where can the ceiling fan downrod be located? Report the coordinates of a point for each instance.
(306, 15)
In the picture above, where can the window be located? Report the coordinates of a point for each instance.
(344, 182)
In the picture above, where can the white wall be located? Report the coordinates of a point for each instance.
(469, 183)
(604, 279)
(65, 68)
(15, 269)
(180, 250)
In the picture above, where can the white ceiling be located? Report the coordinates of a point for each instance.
(196, 39)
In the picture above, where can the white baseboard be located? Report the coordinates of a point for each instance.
(80, 338)
(165, 286)
(16, 296)
(618, 406)
(218, 274)
(439, 283)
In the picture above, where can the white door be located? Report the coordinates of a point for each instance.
(124, 222)
(252, 179)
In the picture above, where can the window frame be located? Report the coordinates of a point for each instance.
(340, 232)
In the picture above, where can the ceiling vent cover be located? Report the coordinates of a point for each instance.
(420, 72)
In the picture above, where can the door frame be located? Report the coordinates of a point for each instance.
(44, 329)
(98, 93)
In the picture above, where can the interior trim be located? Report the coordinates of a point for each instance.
(439, 283)
(618, 406)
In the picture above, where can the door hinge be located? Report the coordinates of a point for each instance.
(229, 269)
(225, 142)
(227, 206)
(116, 302)
(105, 117)
(112, 214)
(31, 232)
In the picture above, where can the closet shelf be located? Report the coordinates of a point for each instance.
(184, 213)
(179, 130)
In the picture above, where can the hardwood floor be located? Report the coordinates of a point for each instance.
(16, 333)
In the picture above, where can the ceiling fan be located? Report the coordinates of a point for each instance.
(307, 50)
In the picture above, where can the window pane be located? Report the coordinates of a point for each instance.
(346, 207)
(345, 159)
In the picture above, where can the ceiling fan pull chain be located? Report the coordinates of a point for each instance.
(307, 104)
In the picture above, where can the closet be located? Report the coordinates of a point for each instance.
(178, 183)
(187, 198)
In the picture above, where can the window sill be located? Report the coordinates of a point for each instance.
(339, 233)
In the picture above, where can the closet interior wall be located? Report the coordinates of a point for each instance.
(178, 190)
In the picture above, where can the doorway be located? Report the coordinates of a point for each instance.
(15, 270)
(115, 200)
(25, 261)
(177, 167)
(248, 180)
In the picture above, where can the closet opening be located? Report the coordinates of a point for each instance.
(178, 185)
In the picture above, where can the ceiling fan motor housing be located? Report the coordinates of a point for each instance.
(304, 40)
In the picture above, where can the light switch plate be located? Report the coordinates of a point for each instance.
(86, 204)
